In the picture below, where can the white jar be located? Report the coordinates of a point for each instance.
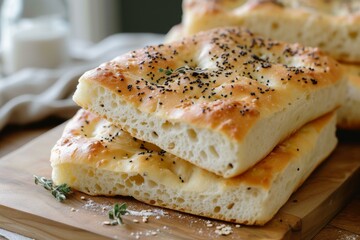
(34, 33)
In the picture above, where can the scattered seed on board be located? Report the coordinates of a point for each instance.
(223, 230)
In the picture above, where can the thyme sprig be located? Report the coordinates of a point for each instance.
(116, 213)
(58, 191)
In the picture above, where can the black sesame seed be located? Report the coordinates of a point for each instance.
(313, 81)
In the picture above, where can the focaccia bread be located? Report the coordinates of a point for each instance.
(97, 158)
(349, 113)
(221, 99)
(176, 33)
(332, 25)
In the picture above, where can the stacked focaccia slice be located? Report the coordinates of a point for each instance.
(98, 158)
(221, 101)
(333, 26)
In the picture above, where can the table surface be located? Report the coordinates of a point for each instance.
(345, 225)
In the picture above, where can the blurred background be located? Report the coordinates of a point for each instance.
(153, 16)
(46, 45)
(92, 20)
(40, 33)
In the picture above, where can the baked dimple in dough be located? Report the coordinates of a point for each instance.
(332, 25)
(221, 99)
(97, 158)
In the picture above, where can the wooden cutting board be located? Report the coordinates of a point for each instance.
(30, 210)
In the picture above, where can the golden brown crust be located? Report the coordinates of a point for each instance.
(226, 73)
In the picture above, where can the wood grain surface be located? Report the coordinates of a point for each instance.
(28, 209)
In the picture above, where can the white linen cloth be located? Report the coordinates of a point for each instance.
(33, 94)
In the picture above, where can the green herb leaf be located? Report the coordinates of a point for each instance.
(59, 192)
(183, 70)
(116, 213)
(168, 72)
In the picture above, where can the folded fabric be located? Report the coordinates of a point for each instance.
(33, 94)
